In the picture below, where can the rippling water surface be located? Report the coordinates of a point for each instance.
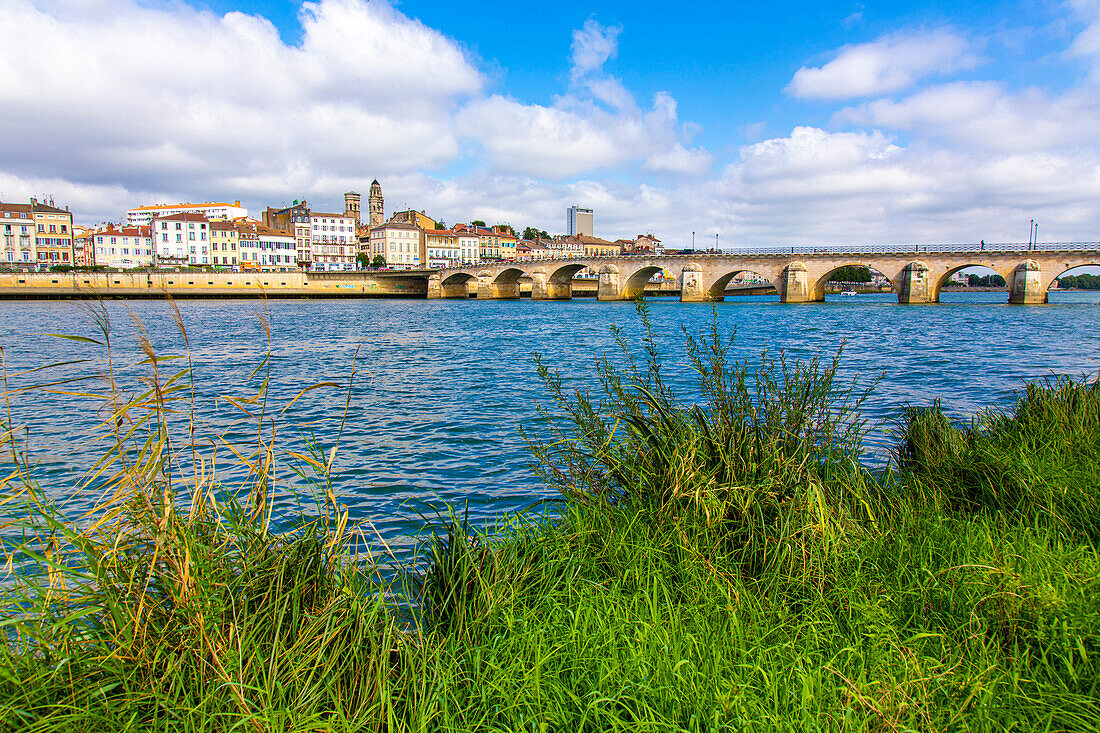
(443, 386)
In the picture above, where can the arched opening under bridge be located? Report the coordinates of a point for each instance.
(1082, 278)
(741, 282)
(855, 278)
(972, 278)
(636, 283)
(457, 285)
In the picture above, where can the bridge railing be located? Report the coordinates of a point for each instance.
(879, 249)
(989, 248)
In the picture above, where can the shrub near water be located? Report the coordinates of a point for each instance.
(1039, 461)
(726, 565)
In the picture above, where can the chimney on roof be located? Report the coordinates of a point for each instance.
(237, 204)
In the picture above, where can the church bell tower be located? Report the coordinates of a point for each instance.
(375, 204)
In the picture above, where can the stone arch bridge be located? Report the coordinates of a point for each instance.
(798, 274)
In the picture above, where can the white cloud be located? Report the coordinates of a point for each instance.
(888, 64)
(593, 46)
(175, 100)
(985, 115)
(680, 160)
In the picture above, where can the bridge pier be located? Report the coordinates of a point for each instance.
(543, 288)
(691, 285)
(611, 286)
(915, 284)
(1026, 287)
(437, 289)
(794, 284)
(489, 289)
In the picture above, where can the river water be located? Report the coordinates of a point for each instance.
(442, 387)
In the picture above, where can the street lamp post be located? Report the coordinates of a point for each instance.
(693, 241)
(716, 242)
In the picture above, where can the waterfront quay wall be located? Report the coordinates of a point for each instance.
(197, 284)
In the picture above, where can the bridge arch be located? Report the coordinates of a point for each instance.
(717, 289)
(637, 280)
(1054, 276)
(458, 278)
(509, 275)
(1005, 271)
(565, 273)
(894, 278)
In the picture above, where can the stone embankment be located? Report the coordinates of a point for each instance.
(198, 284)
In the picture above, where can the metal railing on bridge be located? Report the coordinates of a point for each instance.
(882, 249)
(808, 249)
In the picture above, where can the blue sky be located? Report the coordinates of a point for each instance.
(771, 123)
(726, 63)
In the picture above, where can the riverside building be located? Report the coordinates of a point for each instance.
(209, 209)
(225, 245)
(17, 229)
(323, 242)
(264, 249)
(181, 239)
(402, 246)
(36, 235)
(125, 247)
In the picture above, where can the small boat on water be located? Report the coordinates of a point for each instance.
(848, 292)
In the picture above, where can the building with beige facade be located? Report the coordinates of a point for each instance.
(264, 249)
(17, 230)
(36, 235)
(450, 248)
(225, 245)
(402, 246)
(578, 221)
(596, 247)
(417, 218)
(122, 247)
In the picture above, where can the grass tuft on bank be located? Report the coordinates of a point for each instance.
(722, 563)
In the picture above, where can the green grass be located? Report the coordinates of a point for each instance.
(728, 565)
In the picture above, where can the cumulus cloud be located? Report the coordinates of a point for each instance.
(578, 135)
(596, 124)
(986, 115)
(174, 99)
(593, 46)
(888, 64)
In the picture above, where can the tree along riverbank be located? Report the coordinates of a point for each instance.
(726, 565)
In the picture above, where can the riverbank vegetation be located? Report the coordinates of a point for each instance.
(724, 562)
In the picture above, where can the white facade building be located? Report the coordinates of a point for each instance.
(126, 247)
(209, 209)
(182, 239)
(332, 240)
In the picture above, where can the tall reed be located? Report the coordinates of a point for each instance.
(180, 600)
